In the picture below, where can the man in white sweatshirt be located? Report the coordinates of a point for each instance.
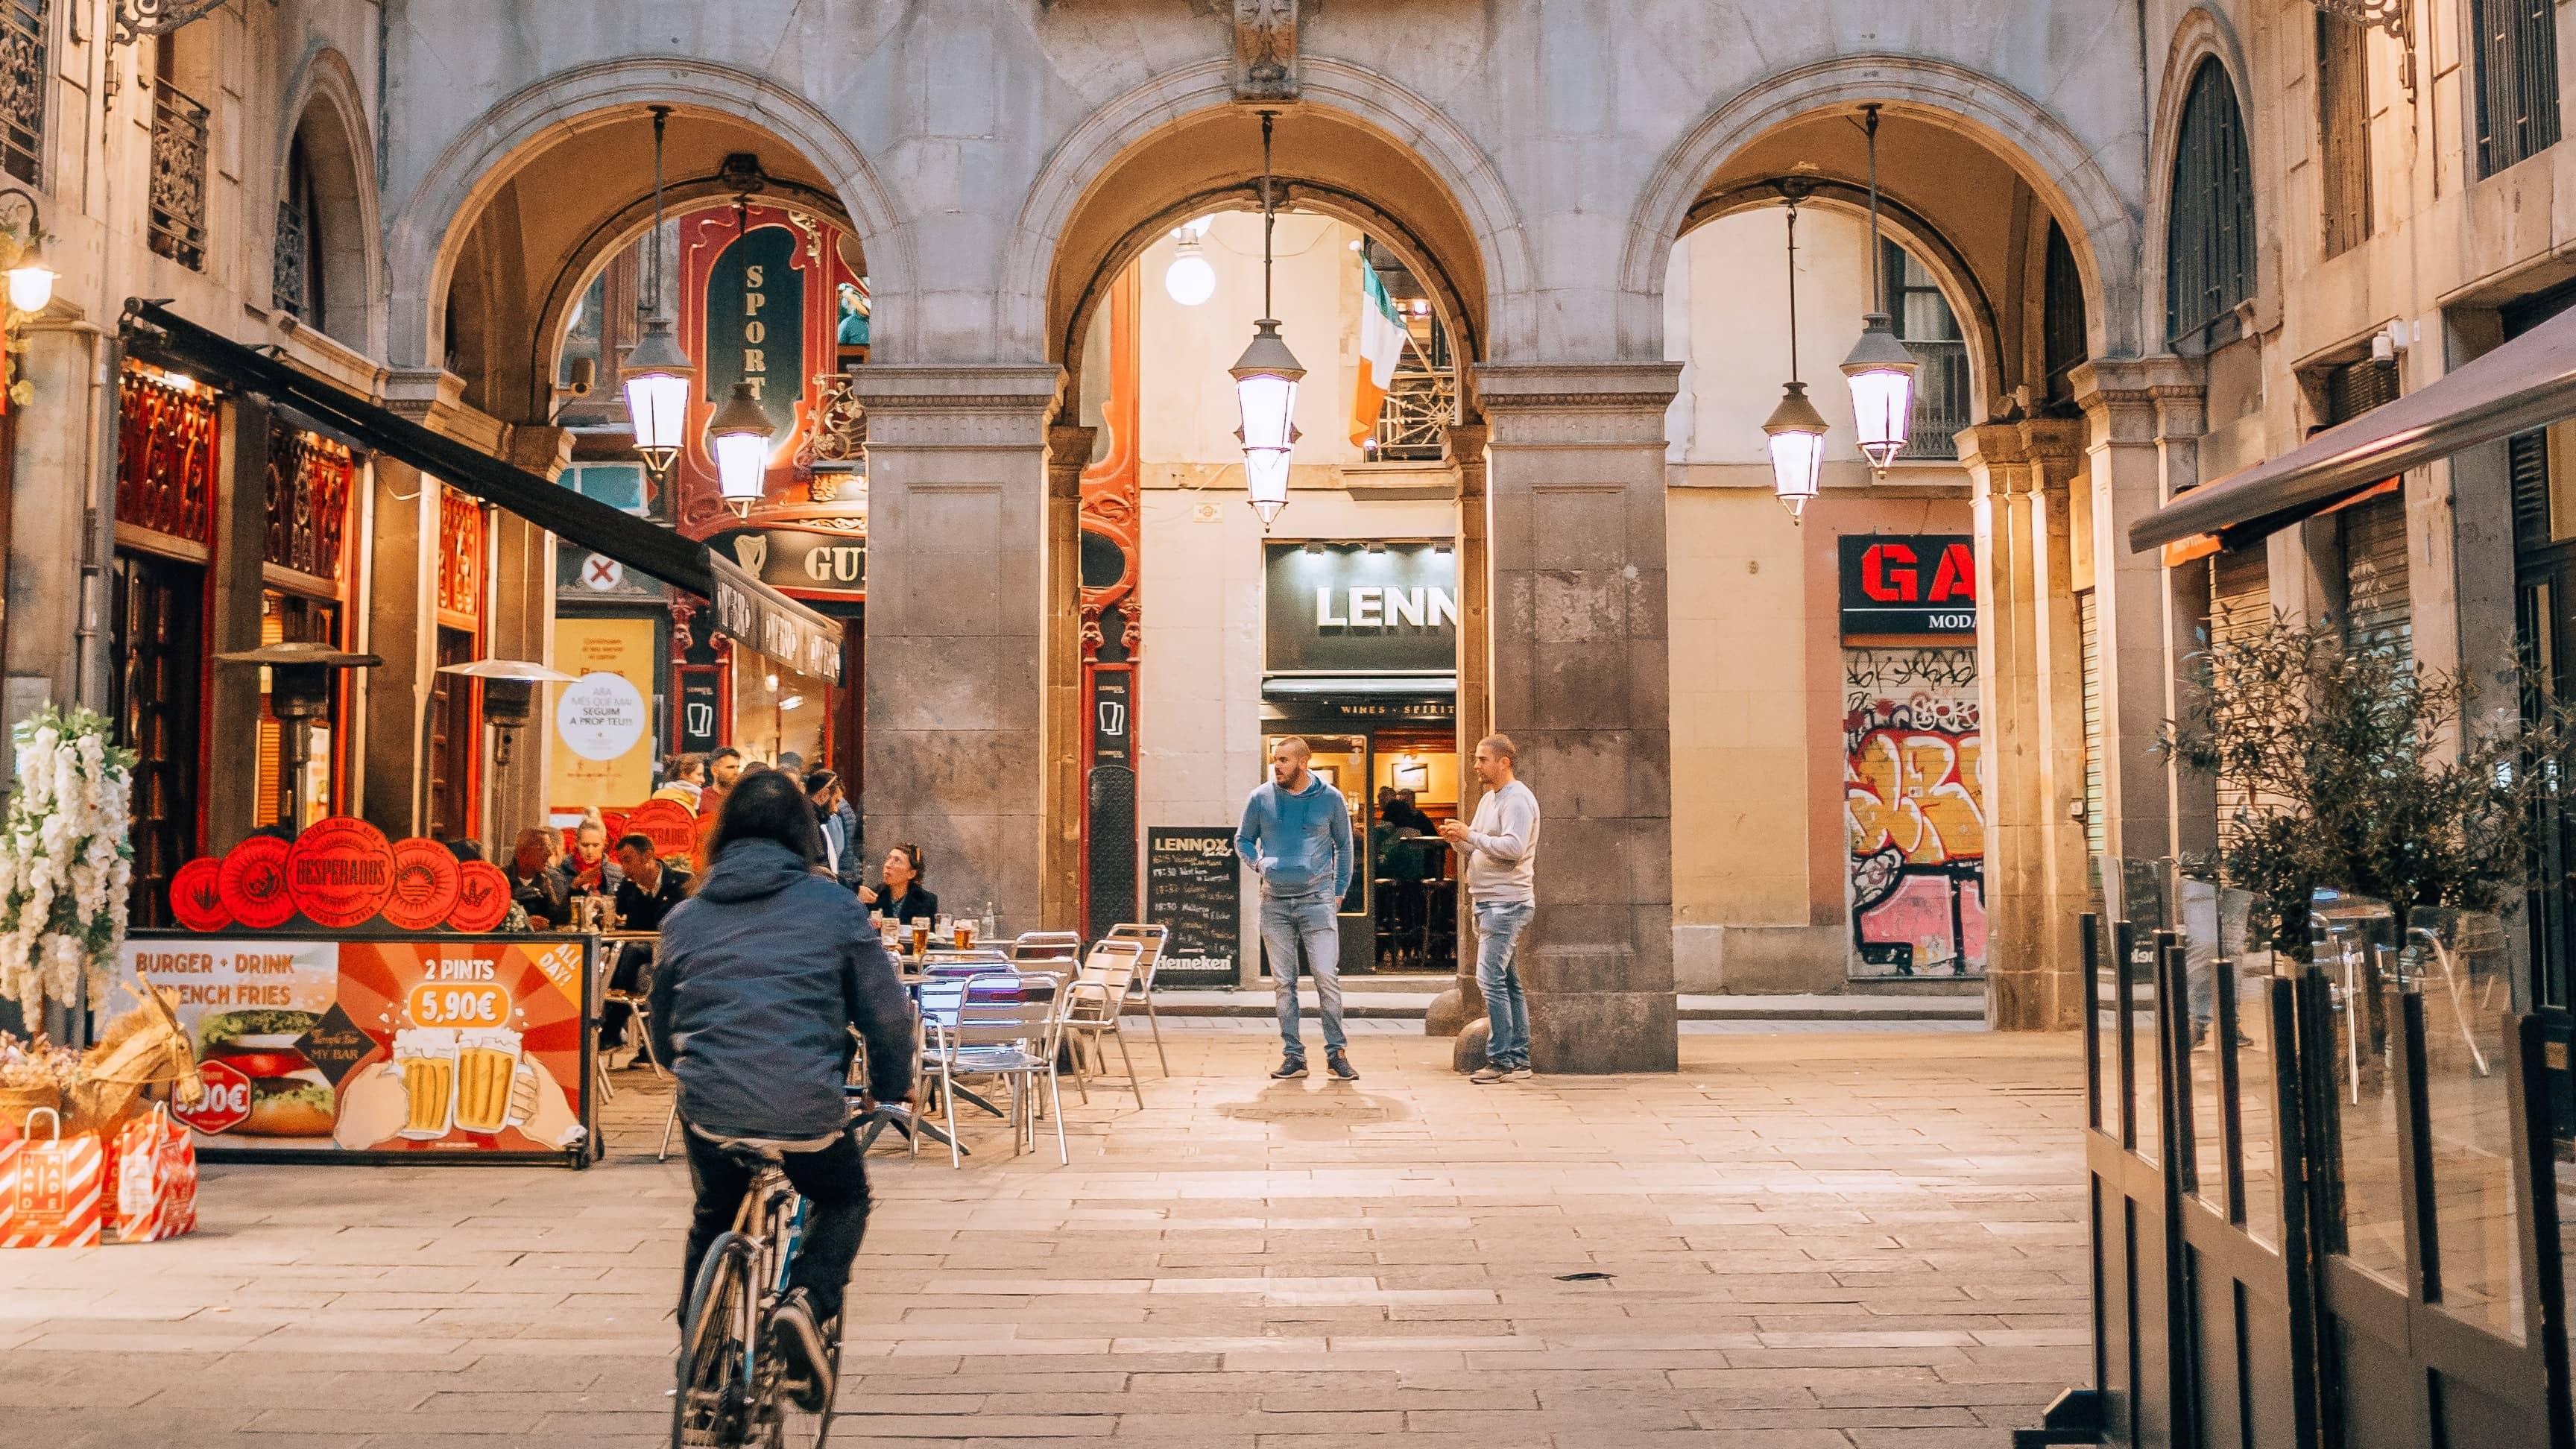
(1500, 849)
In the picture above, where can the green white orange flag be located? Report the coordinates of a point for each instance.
(1381, 343)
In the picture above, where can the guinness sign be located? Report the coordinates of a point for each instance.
(808, 561)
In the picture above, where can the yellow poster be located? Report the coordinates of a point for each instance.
(603, 720)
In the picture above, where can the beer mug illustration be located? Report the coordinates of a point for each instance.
(487, 1060)
(425, 1058)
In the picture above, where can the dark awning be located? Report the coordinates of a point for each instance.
(2524, 384)
(155, 334)
(773, 623)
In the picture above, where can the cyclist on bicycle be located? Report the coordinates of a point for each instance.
(762, 974)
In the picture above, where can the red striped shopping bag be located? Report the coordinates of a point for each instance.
(156, 1179)
(53, 1190)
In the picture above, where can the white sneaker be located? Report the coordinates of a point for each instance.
(1519, 1074)
(1486, 1074)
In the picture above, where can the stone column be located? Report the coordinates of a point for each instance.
(395, 619)
(2008, 688)
(958, 615)
(1068, 451)
(57, 474)
(1582, 683)
(2053, 999)
(230, 795)
(2181, 401)
(2130, 605)
(1455, 1012)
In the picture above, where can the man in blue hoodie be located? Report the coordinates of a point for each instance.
(1296, 836)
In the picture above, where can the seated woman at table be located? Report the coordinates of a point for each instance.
(533, 884)
(900, 894)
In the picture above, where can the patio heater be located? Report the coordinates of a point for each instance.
(509, 695)
(300, 677)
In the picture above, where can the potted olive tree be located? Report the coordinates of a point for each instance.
(2356, 769)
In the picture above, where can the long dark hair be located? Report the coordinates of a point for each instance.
(768, 806)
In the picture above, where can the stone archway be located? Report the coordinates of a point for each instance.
(1468, 217)
(2100, 221)
(2039, 497)
(425, 236)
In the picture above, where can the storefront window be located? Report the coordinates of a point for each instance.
(779, 711)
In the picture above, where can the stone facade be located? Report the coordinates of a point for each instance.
(1535, 163)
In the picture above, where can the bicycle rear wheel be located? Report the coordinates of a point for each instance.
(791, 1427)
(713, 1406)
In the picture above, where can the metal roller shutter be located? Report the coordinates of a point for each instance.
(2377, 614)
(2088, 631)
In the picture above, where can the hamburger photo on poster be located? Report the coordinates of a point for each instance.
(288, 1095)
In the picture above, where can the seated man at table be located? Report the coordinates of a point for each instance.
(644, 896)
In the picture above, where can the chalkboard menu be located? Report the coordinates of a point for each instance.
(1193, 885)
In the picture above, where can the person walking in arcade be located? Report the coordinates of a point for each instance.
(1296, 836)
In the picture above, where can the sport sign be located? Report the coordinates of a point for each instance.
(1909, 584)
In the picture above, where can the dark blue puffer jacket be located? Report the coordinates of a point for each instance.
(762, 974)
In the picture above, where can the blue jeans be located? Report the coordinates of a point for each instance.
(1498, 939)
(1287, 924)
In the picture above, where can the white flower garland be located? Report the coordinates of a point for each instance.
(65, 862)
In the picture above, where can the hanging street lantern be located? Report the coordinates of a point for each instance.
(1796, 431)
(740, 432)
(1190, 280)
(1880, 367)
(657, 394)
(31, 279)
(657, 372)
(1265, 382)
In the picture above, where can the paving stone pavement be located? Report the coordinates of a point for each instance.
(1844, 1239)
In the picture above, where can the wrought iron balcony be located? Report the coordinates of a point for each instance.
(22, 89)
(1940, 399)
(1413, 427)
(286, 289)
(178, 176)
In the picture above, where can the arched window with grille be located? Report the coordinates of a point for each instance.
(2209, 236)
(296, 275)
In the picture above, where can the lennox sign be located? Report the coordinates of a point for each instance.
(1353, 608)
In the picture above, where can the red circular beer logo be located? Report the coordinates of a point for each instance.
(426, 877)
(615, 820)
(253, 885)
(482, 897)
(226, 1104)
(341, 872)
(668, 824)
(197, 895)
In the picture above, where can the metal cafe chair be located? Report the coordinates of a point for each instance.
(1153, 939)
(998, 1025)
(1046, 946)
(1092, 1005)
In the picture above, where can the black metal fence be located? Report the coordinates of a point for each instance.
(2324, 1194)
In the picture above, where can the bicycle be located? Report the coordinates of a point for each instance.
(733, 1388)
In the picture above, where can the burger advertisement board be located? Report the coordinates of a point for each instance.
(310, 1047)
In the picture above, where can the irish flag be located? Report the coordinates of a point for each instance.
(1381, 343)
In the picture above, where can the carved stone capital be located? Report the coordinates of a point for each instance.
(1068, 453)
(1265, 50)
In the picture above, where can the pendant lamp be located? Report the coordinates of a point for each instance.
(1265, 381)
(657, 372)
(1795, 429)
(1880, 368)
(740, 432)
